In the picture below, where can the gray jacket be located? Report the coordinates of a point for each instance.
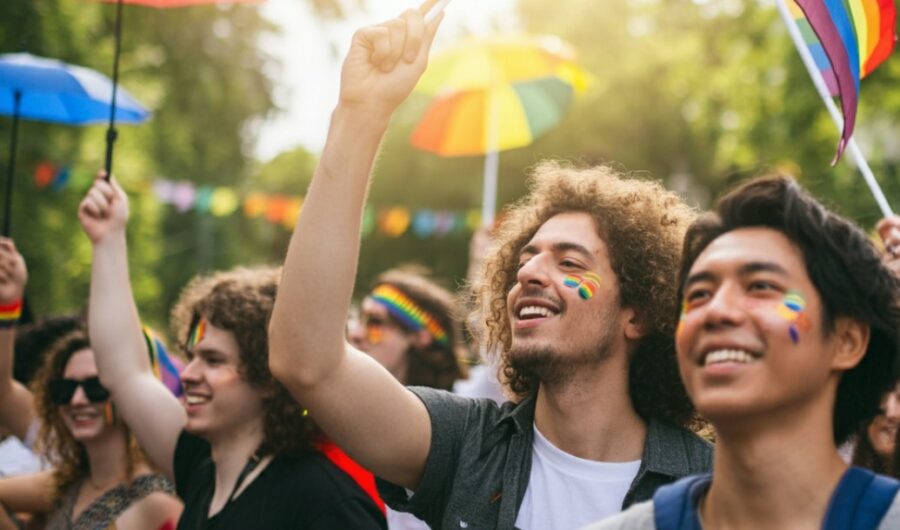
(479, 464)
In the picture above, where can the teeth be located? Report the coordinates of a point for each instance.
(535, 311)
(728, 356)
(83, 416)
(195, 400)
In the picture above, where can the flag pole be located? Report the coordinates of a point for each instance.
(825, 94)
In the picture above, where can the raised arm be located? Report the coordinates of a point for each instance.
(150, 410)
(16, 403)
(356, 401)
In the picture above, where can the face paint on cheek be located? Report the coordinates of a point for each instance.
(792, 309)
(586, 284)
(684, 311)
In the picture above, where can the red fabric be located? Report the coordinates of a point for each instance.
(362, 476)
(169, 525)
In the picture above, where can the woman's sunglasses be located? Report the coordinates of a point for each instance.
(62, 390)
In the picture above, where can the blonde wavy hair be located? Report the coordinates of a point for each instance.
(642, 225)
(54, 441)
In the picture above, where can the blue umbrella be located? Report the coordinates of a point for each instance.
(35, 88)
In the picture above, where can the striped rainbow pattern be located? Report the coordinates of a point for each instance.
(406, 311)
(848, 39)
(587, 284)
(11, 312)
(165, 367)
(197, 334)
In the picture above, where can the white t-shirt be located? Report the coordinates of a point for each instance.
(566, 492)
(404, 521)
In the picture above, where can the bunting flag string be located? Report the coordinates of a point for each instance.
(392, 221)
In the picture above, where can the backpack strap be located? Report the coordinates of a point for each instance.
(674, 504)
(860, 501)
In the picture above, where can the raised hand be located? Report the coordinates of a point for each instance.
(889, 228)
(104, 210)
(386, 61)
(13, 273)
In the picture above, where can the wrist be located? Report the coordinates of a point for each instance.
(10, 312)
(114, 239)
(362, 118)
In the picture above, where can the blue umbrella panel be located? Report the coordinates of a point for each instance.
(36, 88)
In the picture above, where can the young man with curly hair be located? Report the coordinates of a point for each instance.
(240, 450)
(788, 339)
(579, 302)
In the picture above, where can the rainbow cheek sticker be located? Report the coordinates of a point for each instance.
(586, 284)
(792, 310)
(197, 334)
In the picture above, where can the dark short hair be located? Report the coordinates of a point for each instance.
(843, 265)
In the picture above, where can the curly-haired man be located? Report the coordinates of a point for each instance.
(239, 449)
(579, 300)
(788, 339)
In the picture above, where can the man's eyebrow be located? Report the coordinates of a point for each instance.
(698, 277)
(745, 270)
(762, 266)
(563, 246)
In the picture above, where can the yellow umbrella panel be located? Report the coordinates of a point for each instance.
(475, 122)
(483, 63)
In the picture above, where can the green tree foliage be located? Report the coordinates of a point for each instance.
(699, 93)
(202, 73)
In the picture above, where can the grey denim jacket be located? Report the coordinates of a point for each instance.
(479, 464)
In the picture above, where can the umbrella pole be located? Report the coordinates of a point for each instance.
(489, 193)
(11, 169)
(111, 132)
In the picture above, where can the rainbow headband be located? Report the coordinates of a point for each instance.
(406, 311)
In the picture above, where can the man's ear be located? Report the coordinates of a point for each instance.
(634, 326)
(851, 338)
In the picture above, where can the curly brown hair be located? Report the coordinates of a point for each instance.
(240, 301)
(67, 455)
(437, 366)
(642, 225)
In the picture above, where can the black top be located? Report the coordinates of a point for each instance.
(290, 493)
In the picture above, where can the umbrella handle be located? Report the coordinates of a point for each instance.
(111, 133)
(11, 169)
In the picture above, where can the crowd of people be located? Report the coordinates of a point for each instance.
(662, 368)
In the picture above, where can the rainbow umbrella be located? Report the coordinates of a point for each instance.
(496, 94)
(111, 133)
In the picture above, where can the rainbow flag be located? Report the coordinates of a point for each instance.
(847, 39)
(166, 368)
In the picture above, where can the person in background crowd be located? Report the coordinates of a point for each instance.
(876, 441)
(241, 452)
(788, 339)
(407, 323)
(98, 478)
(578, 299)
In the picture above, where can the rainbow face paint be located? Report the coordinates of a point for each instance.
(792, 309)
(684, 312)
(197, 334)
(586, 284)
